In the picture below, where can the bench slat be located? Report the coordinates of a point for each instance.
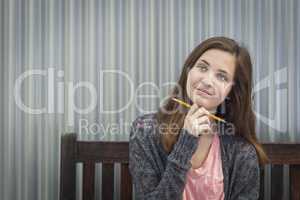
(107, 181)
(262, 182)
(295, 181)
(108, 152)
(126, 184)
(88, 180)
(277, 182)
(68, 167)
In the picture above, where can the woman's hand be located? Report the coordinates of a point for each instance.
(197, 121)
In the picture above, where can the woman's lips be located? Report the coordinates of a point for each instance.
(203, 92)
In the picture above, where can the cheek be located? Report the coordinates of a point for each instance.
(193, 78)
(188, 86)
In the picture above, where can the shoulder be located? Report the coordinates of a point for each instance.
(145, 120)
(143, 126)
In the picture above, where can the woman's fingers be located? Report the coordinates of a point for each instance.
(197, 121)
(202, 120)
(200, 112)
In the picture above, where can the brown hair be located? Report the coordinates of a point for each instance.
(237, 110)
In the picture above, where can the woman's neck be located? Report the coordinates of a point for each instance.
(213, 111)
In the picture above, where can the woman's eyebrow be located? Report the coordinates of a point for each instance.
(223, 71)
(205, 62)
(220, 70)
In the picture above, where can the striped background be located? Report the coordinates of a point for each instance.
(144, 42)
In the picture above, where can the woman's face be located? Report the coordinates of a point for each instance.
(211, 78)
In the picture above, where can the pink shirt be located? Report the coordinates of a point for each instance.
(206, 182)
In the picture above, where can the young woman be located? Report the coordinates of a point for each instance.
(182, 153)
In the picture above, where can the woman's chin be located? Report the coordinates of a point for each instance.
(201, 102)
(206, 103)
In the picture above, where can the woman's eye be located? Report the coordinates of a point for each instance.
(222, 77)
(203, 68)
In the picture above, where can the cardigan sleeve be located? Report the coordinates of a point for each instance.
(148, 183)
(246, 181)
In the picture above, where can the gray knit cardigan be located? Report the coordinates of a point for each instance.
(158, 175)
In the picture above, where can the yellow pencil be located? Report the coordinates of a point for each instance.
(189, 106)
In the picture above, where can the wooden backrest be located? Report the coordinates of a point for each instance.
(283, 172)
(90, 153)
(282, 157)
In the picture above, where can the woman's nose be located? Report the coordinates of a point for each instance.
(208, 80)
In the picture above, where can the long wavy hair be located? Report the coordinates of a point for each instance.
(235, 109)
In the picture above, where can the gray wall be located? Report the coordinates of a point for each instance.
(69, 42)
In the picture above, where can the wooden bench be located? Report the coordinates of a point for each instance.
(285, 159)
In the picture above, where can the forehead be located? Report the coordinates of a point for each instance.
(219, 59)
